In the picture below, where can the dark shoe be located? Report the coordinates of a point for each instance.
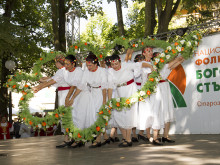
(95, 145)
(159, 139)
(112, 139)
(117, 139)
(125, 144)
(134, 139)
(77, 144)
(107, 141)
(65, 144)
(143, 138)
(167, 140)
(129, 144)
(61, 146)
(157, 143)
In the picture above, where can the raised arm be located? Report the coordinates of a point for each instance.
(128, 55)
(146, 65)
(174, 63)
(44, 79)
(43, 85)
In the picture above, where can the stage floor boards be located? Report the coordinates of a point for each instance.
(188, 149)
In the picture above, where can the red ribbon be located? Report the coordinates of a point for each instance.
(63, 88)
(130, 81)
(161, 81)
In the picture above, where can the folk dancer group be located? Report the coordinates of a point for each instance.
(88, 89)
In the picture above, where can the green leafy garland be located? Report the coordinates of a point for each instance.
(20, 83)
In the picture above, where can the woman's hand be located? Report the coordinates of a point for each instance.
(35, 89)
(43, 79)
(152, 68)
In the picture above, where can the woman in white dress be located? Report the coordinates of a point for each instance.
(94, 80)
(166, 99)
(150, 115)
(138, 80)
(121, 78)
(63, 88)
(73, 77)
(113, 133)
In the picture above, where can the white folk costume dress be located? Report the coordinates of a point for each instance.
(92, 84)
(149, 111)
(111, 122)
(127, 118)
(74, 78)
(138, 81)
(62, 86)
(166, 101)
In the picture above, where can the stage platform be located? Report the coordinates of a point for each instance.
(188, 150)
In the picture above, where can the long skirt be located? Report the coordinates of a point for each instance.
(150, 114)
(166, 102)
(61, 101)
(86, 107)
(127, 118)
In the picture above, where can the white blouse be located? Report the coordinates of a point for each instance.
(165, 72)
(59, 78)
(145, 72)
(94, 79)
(127, 72)
(73, 78)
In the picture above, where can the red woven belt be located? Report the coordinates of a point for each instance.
(161, 81)
(130, 81)
(138, 83)
(63, 88)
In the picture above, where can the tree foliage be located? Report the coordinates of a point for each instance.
(135, 20)
(158, 20)
(97, 30)
(207, 9)
(119, 4)
(26, 28)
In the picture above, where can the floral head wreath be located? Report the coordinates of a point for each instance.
(107, 61)
(147, 49)
(59, 59)
(115, 60)
(93, 61)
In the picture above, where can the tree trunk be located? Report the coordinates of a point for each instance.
(4, 90)
(54, 9)
(165, 16)
(120, 18)
(8, 8)
(150, 21)
(4, 71)
(62, 20)
(10, 107)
